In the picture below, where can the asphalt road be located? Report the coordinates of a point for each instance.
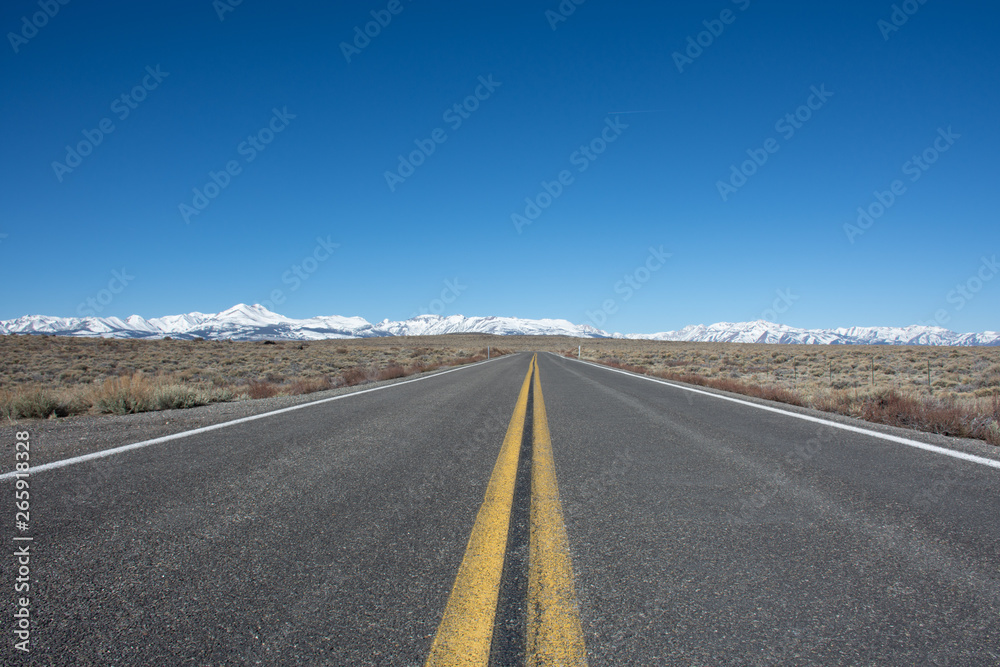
(701, 532)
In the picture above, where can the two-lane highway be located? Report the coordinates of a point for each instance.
(699, 531)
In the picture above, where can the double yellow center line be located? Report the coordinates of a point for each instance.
(554, 635)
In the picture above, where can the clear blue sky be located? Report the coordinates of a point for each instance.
(213, 83)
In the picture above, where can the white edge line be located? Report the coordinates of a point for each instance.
(205, 429)
(846, 427)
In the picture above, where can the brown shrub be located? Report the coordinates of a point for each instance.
(309, 385)
(355, 375)
(391, 372)
(615, 362)
(766, 392)
(944, 416)
(460, 361)
(261, 389)
(837, 401)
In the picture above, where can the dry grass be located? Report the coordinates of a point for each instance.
(49, 376)
(124, 395)
(44, 376)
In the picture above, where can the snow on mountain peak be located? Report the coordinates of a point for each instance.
(255, 322)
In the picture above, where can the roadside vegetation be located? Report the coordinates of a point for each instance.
(945, 390)
(48, 376)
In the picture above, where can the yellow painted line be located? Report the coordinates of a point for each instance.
(555, 636)
(466, 629)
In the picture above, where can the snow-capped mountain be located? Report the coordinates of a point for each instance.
(243, 322)
(761, 331)
(428, 325)
(917, 335)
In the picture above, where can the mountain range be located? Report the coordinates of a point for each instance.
(243, 322)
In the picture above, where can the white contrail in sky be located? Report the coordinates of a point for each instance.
(645, 111)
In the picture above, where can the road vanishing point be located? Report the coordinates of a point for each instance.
(531, 509)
